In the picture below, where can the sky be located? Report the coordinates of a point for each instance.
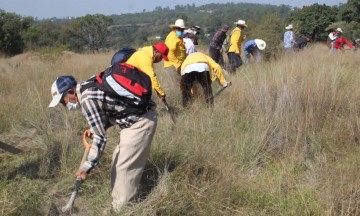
(76, 8)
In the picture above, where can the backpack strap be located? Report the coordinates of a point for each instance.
(227, 42)
(95, 80)
(88, 84)
(232, 32)
(129, 110)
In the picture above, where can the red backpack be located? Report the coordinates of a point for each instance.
(125, 82)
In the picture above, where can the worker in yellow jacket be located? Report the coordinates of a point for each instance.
(236, 39)
(177, 49)
(201, 68)
(144, 59)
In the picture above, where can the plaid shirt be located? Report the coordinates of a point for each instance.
(102, 112)
(218, 39)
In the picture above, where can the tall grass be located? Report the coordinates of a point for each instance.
(282, 140)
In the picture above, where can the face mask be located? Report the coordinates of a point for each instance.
(73, 106)
(178, 33)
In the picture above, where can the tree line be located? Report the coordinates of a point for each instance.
(95, 32)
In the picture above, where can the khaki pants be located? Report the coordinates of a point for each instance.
(129, 159)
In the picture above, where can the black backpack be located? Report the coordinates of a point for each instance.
(122, 55)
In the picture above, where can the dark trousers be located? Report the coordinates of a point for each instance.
(235, 61)
(187, 82)
(216, 55)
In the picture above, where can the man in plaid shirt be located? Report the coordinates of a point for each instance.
(101, 111)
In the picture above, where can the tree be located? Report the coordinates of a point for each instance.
(11, 28)
(313, 20)
(350, 12)
(44, 34)
(93, 31)
(212, 23)
(270, 30)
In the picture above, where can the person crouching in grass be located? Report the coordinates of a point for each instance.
(200, 68)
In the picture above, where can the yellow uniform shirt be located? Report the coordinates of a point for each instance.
(143, 59)
(214, 68)
(177, 50)
(236, 40)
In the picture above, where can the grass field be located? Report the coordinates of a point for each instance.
(282, 140)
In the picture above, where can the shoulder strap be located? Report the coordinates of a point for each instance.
(232, 32)
(88, 84)
(229, 37)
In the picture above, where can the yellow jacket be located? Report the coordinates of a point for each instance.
(143, 59)
(236, 40)
(214, 68)
(177, 50)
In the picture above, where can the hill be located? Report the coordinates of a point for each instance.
(209, 17)
(282, 140)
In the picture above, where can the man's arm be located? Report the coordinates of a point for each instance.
(348, 43)
(216, 71)
(146, 65)
(95, 116)
(258, 56)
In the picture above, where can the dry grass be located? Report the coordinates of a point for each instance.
(282, 140)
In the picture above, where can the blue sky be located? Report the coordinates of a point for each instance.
(64, 8)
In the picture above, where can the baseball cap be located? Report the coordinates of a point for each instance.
(59, 87)
(163, 49)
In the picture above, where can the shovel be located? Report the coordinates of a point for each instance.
(221, 90)
(77, 184)
(170, 111)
